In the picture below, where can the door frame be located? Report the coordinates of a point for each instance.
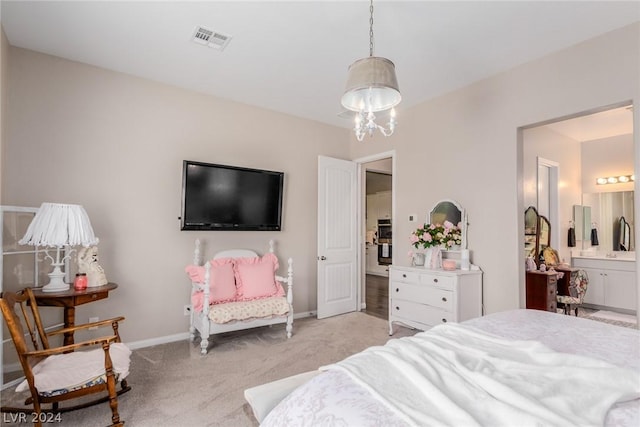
(361, 222)
(552, 193)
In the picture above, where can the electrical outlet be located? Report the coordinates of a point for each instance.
(413, 217)
(91, 320)
(186, 310)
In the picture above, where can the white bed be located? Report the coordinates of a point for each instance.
(344, 395)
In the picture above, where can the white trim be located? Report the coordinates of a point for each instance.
(135, 345)
(361, 202)
(554, 177)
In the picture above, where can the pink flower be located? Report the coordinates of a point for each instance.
(448, 225)
(410, 254)
(413, 239)
(427, 237)
(450, 243)
(432, 227)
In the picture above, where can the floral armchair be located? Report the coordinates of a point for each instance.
(577, 290)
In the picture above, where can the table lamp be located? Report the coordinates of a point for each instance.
(58, 225)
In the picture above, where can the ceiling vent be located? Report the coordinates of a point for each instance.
(207, 37)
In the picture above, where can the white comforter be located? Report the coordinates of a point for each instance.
(456, 375)
(335, 398)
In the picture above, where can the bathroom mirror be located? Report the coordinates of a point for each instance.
(624, 235)
(606, 211)
(582, 222)
(530, 231)
(450, 210)
(544, 240)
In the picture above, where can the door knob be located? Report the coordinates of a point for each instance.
(322, 258)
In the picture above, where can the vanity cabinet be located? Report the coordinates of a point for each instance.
(612, 283)
(421, 298)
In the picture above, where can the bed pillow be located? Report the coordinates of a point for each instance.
(255, 277)
(222, 286)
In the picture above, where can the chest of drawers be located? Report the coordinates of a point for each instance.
(542, 290)
(422, 298)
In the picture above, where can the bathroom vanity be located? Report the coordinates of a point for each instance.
(612, 280)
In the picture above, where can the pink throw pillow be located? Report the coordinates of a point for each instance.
(222, 285)
(255, 277)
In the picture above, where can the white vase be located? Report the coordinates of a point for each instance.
(418, 259)
(433, 257)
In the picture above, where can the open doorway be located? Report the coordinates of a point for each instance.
(593, 153)
(378, 245)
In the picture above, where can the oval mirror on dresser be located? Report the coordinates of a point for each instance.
(452, 211)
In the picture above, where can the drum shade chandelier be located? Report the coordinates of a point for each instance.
(58, 225)
(372, 87)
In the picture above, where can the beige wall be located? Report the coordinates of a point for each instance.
(607, 157)
(464, 146)
(547, 144)
(4, 61)
(115, 144)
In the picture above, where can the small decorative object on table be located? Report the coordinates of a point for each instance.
(417, 259)
(80, 283)
(449, 264)
(88, 264)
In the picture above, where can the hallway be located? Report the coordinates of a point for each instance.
(377, 296)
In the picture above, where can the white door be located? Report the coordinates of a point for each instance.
(337, 237)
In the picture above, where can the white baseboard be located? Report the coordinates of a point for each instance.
(134, 345)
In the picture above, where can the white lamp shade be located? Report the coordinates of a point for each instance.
(371, 85)
(58, 225)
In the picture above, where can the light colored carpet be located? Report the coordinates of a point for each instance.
(173, 385)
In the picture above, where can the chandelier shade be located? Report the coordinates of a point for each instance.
(372, 85)
(59, 225)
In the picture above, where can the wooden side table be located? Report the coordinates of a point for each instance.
(69, 300)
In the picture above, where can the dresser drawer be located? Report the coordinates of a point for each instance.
(404, 276)
(420, 313)
(422, 294)
(437, 280)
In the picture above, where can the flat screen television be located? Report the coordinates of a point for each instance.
(219, 197)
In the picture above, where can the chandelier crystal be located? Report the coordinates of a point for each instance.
(372, 87)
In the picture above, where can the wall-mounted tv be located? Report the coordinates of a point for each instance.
(219, 197)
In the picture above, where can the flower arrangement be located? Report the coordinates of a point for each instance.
(430, 235)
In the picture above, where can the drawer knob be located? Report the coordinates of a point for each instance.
(435, 280)
(397, 308)
(444, 299)
(444, 320)
(397, 289)
(404, 275)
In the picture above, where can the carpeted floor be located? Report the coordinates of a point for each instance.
(173, 385)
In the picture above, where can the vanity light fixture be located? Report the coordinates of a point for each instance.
(372, 87)
(615, 179)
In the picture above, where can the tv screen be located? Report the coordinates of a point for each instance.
(219, 197)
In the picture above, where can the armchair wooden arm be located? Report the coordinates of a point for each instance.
(71, 347)
(113, 322)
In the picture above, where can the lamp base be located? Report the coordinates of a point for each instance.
(56, 284)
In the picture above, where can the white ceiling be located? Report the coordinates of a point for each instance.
(292, 56)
